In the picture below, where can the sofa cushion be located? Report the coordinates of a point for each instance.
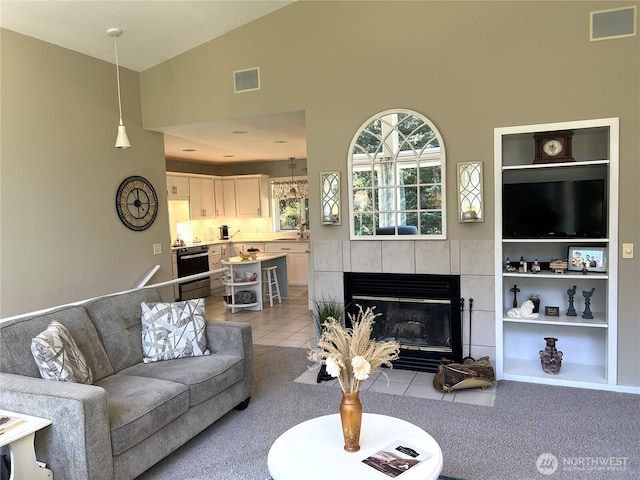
(204, 376)
(16, 335)
(117, 319)
(173, 330)
(58, 357)
(141, 406)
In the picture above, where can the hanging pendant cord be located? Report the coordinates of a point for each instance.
(115, 44)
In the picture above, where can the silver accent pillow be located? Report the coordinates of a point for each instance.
(173, 330)
(58, 357)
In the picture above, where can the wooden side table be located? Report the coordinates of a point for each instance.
(20, 440)
(313, 450)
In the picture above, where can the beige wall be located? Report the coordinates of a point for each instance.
(468, 66)
(61, 239)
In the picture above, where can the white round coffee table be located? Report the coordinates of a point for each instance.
(315, 450)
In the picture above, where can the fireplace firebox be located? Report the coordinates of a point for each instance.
(420, 311)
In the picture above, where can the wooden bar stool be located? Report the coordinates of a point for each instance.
(269, 281)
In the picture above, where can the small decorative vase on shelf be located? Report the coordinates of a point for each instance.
(535, 298)
(550, 357)
(351, 417)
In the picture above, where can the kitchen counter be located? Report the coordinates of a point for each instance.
(260, 257)
(223, 242)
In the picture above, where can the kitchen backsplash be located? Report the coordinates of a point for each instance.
(208, 230)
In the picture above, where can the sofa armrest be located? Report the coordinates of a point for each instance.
(77, 445)
(229, 338)
(233, 338)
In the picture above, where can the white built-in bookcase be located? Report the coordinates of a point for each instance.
(589, 345)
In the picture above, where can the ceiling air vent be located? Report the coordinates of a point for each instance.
(246, 80)
(613, 23)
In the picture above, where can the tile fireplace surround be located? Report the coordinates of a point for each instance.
(471, 259)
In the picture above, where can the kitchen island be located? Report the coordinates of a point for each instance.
(242, 292)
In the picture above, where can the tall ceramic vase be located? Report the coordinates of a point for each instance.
(351, 417)
(550, 357)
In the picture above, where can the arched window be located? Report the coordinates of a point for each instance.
(397, 178)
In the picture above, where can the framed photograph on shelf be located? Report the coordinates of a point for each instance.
(594, 259)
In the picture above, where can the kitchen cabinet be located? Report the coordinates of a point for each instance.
(225, 197)
(243, 247)
(215, 262)
(177, 187)
(201, 198)
(174, 273)
(588, 341)
(252, 196)
(297, 260)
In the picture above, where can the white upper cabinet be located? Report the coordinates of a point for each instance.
(247, 196)
(177, 187)
(201, 198)
(225, 197)
(252, 196)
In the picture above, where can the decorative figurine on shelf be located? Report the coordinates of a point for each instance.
(550, 357)
(571, 312)
(526, 311)
(535, 268)
(515, 291)
(523, 265)
(587, 303)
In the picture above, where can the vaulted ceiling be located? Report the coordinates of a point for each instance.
(155, 31)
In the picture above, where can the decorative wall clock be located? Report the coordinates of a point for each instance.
(137, 203)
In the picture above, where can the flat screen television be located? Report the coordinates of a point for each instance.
(565, 209)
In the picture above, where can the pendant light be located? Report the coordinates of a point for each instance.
(122, 141)
(293, 193)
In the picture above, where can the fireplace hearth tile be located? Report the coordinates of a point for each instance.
(366, 256)
(477, 257)
(433, 257)
(327, 256)
(398, 257)
(485, 398)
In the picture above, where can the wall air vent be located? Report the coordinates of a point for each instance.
(246, 80)
(613, 23)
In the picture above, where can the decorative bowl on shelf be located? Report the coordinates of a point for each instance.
(245, 256)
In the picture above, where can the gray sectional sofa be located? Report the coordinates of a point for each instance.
(134, 414)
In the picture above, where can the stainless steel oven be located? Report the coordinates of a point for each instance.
(192, 260)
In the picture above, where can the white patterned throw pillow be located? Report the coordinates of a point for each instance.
(58, 357)
(173, 330)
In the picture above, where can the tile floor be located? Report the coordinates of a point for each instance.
(289, 324)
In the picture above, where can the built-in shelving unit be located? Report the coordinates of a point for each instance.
(589, 345)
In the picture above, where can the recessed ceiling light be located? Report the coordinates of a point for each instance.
(239, 132)
(281, 141)
(188, 149)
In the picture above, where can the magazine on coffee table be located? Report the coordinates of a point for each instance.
(396, 458)
(8, 422)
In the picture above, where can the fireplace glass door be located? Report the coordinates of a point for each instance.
(417, 324)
